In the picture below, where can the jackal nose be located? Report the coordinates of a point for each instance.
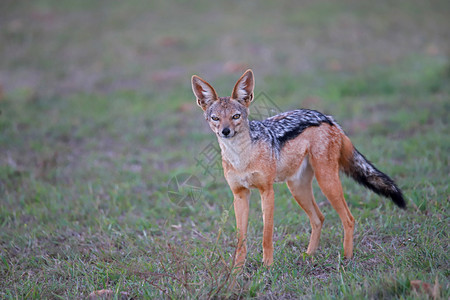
(226, 131)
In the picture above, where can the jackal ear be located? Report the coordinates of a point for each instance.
(243, 90)
(204, 92)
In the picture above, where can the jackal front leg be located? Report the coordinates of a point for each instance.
(241, 208)
(267, 205)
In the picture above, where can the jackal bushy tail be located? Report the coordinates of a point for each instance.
(365, 173)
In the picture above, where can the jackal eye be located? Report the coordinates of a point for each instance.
(215, 118)
(236, 116)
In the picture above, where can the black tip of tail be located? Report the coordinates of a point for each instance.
(388, 189)
(375, 180)
(398, 199)
(393, 192)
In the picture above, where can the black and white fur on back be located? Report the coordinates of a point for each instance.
(281, 128)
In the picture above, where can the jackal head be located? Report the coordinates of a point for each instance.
(227, 116)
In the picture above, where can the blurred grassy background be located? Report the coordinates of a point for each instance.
(97, 115)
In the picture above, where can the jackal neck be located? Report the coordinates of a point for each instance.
(237, 150)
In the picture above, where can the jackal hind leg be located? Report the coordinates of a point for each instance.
(301, 189)
(327, 175)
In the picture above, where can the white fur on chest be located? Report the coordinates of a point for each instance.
(235, 159)
(236, 153)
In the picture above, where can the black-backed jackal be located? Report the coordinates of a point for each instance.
(290, 147)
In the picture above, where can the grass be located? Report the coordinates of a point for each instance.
(97, 117)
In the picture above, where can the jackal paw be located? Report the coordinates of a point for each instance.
(267, 261)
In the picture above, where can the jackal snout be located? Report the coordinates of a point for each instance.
(226, 131)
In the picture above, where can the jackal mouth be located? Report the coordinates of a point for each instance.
(229, 136)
